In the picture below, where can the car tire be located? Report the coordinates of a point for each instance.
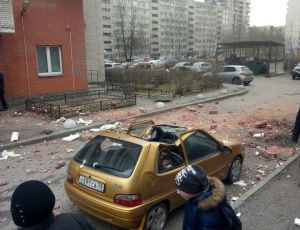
(236, 81)
(156, 217)
(246, 83)
(234, 171)
(293, 77)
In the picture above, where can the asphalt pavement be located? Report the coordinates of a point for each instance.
(273, 204)
(276, 205)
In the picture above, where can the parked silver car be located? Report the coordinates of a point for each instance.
(182, 66)
(201, 67)
(235, 74)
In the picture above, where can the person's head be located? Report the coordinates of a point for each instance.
(164, 160)
(32, 203)
(191, 181)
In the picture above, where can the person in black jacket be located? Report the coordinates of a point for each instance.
(206, 201)
(32, 206)
(296, 130)
(2, 99)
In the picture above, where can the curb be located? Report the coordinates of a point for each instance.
(274, 75)
(256, 188)
(97, 125)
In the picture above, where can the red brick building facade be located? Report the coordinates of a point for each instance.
(46, 54)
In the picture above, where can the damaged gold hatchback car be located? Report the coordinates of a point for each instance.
(127, 179)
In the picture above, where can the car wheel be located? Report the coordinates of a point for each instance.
(234, 170)
(156, 217)
(246, 83)
(293, 77)
(236, 81)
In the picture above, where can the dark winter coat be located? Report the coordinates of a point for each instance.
(67, 221)
(296, 130)
(202, 212)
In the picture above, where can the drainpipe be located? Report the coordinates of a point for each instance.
(68, 28)
(24, 7)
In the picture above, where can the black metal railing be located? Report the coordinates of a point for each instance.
(72, 104)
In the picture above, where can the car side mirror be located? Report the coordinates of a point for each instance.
(226, 149)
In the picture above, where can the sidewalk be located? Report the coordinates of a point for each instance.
(276, 204)
(31, 126)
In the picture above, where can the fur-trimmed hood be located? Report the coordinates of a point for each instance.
(216, 197)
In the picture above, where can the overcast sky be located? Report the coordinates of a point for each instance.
(268, 12)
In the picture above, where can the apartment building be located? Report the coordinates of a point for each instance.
(7, 24)
(46, 52)
(235, 19)
(292, 27)
(93, 42)
(168, 28)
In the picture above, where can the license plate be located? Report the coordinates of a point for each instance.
(98, 186)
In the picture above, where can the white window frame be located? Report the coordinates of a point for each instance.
(49, 73)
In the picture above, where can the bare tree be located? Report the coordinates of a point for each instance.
(132, 27)
(126, 26)
(141, 43)
(120, 10)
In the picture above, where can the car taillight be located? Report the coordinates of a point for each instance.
(70, 178)
(243, 73)
(128, 200)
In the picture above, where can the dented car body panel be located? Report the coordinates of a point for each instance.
(118, 177)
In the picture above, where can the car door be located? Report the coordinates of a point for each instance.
(202, 149)
(228, 74)
(163, 187)
(221, 73)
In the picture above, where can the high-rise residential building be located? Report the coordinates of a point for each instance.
(292, 27)
(234, 19)
(93, 42)
(173, 29)
(6, 17)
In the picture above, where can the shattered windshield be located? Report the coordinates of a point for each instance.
(110, 155)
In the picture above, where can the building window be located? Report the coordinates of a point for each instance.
(108, 50)
(154, 8)
(49, 60)
(107, 34)
(105, 18)
(105, 10)
(107, 42)
(154, 15)
(156, 1)
(106, 26)
(106, 1)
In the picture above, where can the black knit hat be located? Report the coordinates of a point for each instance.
(32, 202)
(191, 179)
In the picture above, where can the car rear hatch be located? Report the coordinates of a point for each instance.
(104, 167)
(245, 71)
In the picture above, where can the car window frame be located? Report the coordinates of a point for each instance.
(185, 149)
(167, 149)
(229, 67)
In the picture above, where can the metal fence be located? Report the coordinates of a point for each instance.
(72, 104)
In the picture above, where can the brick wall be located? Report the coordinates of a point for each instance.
(6, 17)
(44, 23)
